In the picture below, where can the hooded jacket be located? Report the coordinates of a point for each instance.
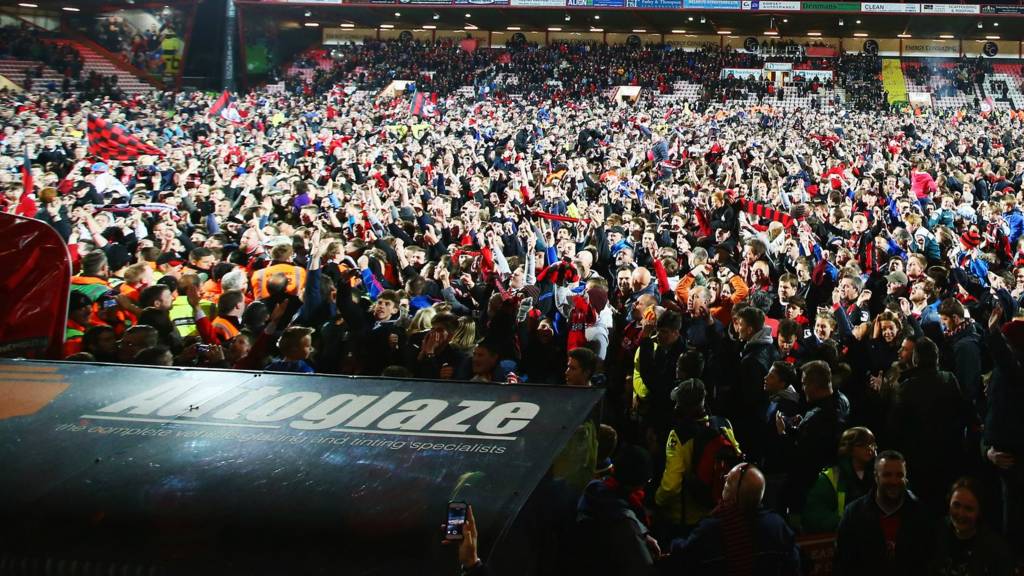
(749, 398)
(611, 537)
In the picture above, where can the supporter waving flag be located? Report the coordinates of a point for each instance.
(224, 107)
(111, 142)
(424, 104)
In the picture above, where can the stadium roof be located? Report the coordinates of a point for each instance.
(844, 24)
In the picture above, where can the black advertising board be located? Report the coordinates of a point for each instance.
(200, 471)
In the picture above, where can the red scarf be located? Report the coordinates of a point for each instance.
(635, 499)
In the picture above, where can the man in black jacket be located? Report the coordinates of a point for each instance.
(656, 365)
(809, 441)
(928, 419)
(756, 358)
(962, 355)
(885, 533)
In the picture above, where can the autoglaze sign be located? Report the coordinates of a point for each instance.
(265, 473)
(269, 407)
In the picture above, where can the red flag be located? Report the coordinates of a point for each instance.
(35, 277)
(225, 108)
(26, 174)
(111, 142)
(220, 104)
(26, 205)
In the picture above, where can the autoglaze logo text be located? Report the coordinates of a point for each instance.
(393, 413)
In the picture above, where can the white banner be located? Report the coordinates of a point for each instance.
(951, 8)
(919, 99)
(820, 75)
(742, 73)
(890, 7)
(775, 5)
(778, 66)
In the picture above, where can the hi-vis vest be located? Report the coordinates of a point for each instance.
(296, 279)
(833, 477)
(225, 328)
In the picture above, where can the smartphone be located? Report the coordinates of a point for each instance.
(456, 520)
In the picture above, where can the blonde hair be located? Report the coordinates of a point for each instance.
(464, 338)
(421, 320)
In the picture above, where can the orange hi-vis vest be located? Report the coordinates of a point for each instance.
(296, 279)
(225, 328)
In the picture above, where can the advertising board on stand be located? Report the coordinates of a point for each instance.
(772, 5)
(816, 6)
(597, 3)
(890, 7)
(1002, 10)
(712, 4)
(742, 73)
(951, 8)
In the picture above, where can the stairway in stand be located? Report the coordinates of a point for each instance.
(127, 81)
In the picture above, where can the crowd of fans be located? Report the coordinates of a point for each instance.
(960, 77)
(804, 323)
(564, 71)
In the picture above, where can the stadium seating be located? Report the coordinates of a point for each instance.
(14, 70)
(94, 61)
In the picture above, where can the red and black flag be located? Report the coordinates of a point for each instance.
(424, 104)
(762, 211)
(111, 142)
(225, 108)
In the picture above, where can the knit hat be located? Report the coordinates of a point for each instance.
(689, 392)
(1006, 300)
(632, 466)
(970, 239)
(1014, 333)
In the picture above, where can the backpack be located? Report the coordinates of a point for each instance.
(714, 454)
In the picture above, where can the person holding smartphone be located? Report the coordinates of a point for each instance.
(470, 563)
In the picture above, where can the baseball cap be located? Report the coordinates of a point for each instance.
(897, 277)
(171, 258)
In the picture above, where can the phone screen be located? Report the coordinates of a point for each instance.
(456, 520)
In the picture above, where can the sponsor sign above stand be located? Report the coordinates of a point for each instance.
(815, 6)
(772, 5)
(890, 7)
(712, 4)
(950, 8)
(778, 66)
(597, 3)
(537, 2)
(997, 9)
(482, 2)
(207, 471)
